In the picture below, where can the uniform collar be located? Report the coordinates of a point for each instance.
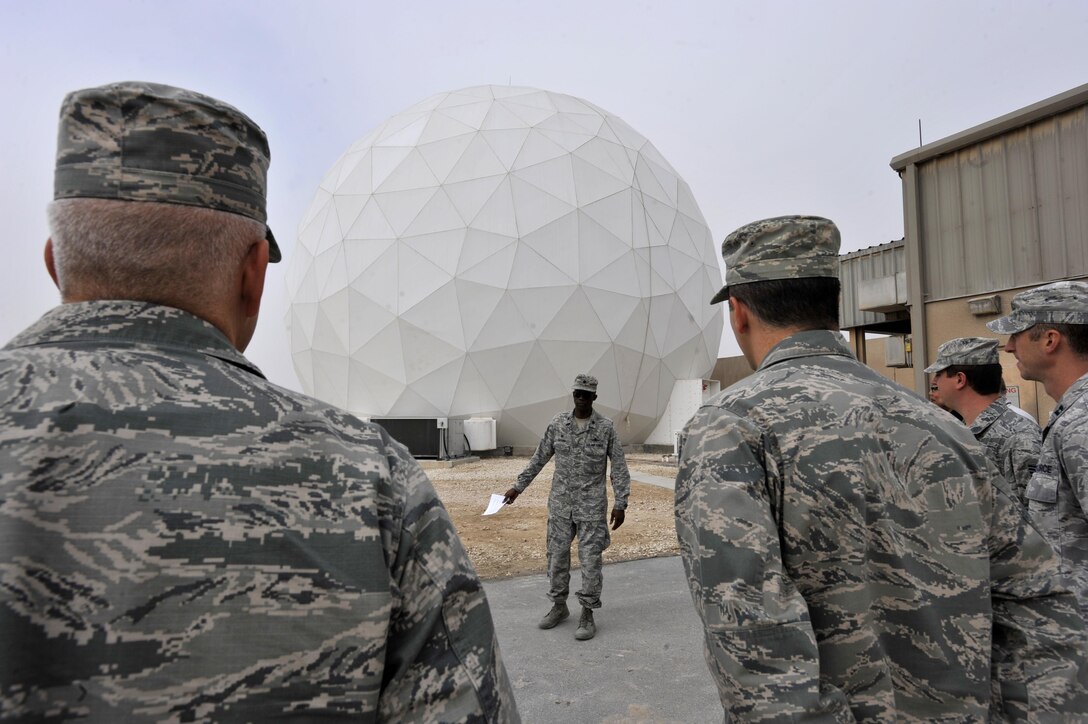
(990, 415)
(813, 343)
(111, 323)
(1074, 393)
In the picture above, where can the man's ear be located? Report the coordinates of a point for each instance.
(1052, 340)
(50, 262)
(739, 316)
(961, 380)
(254, 268)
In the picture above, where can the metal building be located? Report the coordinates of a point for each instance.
(989, 211)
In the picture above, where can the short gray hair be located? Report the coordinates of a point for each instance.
(149, 251)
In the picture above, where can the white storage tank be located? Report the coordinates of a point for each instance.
(480, 433)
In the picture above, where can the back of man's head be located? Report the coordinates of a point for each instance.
(159, 193)
(785, 270)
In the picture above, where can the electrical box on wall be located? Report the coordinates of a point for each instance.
(897, 351)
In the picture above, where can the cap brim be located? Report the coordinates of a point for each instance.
(934, 368)
(274, 254)
(721, 296)
(1011, 324)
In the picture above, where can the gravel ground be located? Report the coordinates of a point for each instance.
(512, 542)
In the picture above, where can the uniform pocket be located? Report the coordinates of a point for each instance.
(1042, 488)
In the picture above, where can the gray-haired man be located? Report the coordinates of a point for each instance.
(583, 442)
(1048, 334)
(181, 540)
(851, 552)
(967, 374)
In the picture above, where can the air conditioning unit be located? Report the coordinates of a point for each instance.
(421, 435)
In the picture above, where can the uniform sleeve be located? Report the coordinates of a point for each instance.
(442, 661)
(1073, 456)
(1019, 462)
(1040, 649)
(544, 452)
(621, 476)
(759, 641)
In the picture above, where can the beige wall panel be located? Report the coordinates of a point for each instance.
(874, 353)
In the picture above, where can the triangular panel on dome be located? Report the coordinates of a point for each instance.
(359, 254)
(539, 305)
(697, 231)
(662, 217)
(402, 207)
(506, 143)
(568, 140)
(360, 400)
(475, 303)
(440, 386)
(570, 358)
(480, 245)
(500, 117)
(628, 136)
(690, 290)
(530, 115)
(620, 276)
(629, 365)
(360, 180)
(366, 319)
(379, 281)
(384, 160)
(610, 390)
(347, 165)
(609, 158)
(439, 314)
(654, 156)
(636, 333)
(576, 320)
(442, 248)
(301, 321)
(406, 136)
(330, 377)
(493, 270)
(530, 269)
(467, 96)
(524, 426)
(511, 91)
(303, 282)
(471, 114)
(471, 395)
(331, 325)
(478, 160)
(497, 214)
(681, 242)
(331, 234)
(331, 271)
(648, 183)
(534, 208)
(505, 326)
(319, 204)
(613, 309)
(563, 123)
(570, 105)
(655, 265)
(598, 248)
(442, 156)
(441, 126)
(613, 213)
(685, 201)
(424, 352)
(499, 367)
(417, 278)
(383, 390)
(303, 362)
(384, 353)
(591, 183)
(554, 177)
(662, 315)
(348, 207)
(536, 382)
(411, 173)
(438, 214)
(666, 177)
(537, 149)
(370, 223)
(469, 197)
(558, 242)
(411, 404)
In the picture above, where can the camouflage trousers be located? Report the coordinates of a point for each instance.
(593, 538)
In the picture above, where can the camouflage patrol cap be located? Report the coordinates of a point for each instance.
(137, 141)
(1057, 303)
(785, 247)
(965, 351)
(585, 382)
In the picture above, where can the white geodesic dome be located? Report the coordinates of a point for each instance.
(475, 252)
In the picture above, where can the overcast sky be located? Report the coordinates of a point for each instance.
(764, 108)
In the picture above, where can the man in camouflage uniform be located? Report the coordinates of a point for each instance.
(1048, 330)
(851, 552)
(181, 539)
(968, 378)
(582, 441)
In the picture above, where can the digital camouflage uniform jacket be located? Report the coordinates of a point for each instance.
(853, 555)
(1011, 442)
(581, 460)
(181, 540)
(1058, 492)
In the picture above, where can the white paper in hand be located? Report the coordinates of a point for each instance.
(494, 505)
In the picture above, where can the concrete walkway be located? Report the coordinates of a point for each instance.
(645, 664)
(657, 480)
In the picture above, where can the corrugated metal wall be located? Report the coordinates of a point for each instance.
(1007, 212)
(871, 263)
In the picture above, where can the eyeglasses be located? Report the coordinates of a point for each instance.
(582, 393)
